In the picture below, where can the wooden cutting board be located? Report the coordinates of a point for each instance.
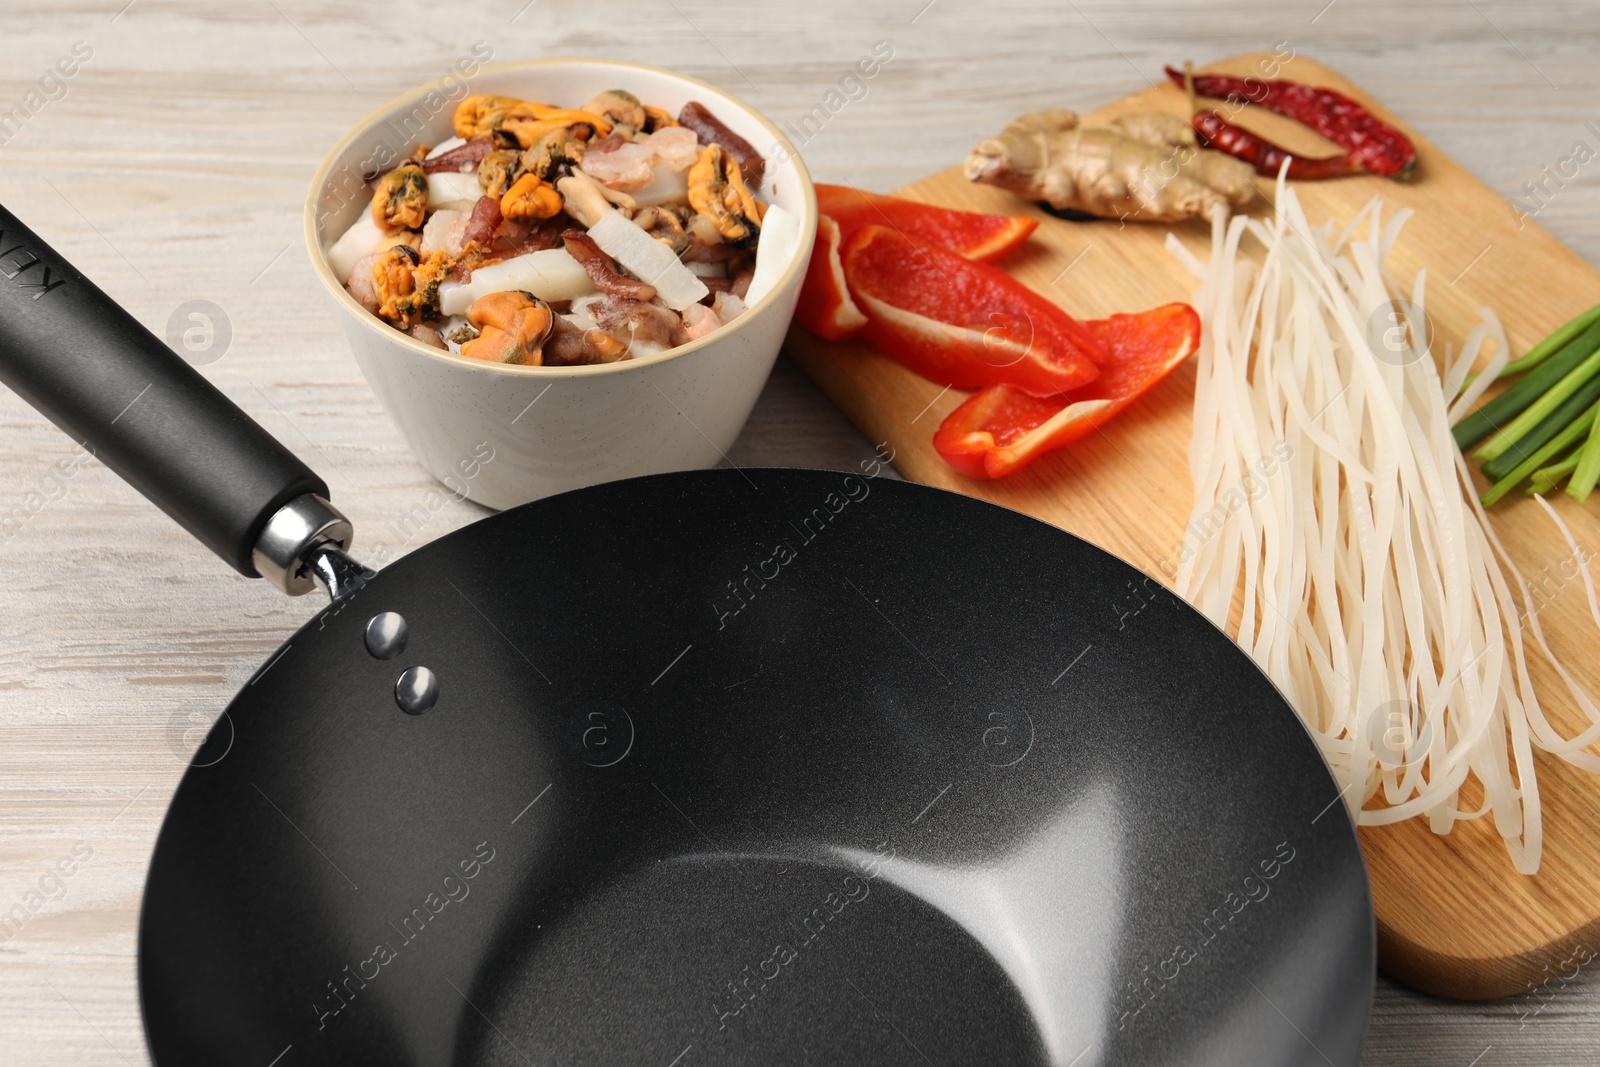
(1454, 917)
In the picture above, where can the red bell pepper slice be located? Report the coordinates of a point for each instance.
(972, 234)
(1002, 429)
(961, 323)
(825, 307)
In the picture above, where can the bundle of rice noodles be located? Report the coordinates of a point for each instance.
(1336, 534)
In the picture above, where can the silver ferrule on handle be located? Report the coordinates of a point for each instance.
(291, 538)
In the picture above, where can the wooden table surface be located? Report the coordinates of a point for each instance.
(170, 167)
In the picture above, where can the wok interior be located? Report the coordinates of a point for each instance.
(938, 781)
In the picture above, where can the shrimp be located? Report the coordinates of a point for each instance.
(699, 320)
(675, 147)
(361, 284)
(619, 164)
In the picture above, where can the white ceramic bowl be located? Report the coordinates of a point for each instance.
(503, 434)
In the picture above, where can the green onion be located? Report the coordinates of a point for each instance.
(1539, 352)
(1588, 468)
(1574, 405)
(1505, 407)
(1565, 439)
(1547, 478)
(1536, 411)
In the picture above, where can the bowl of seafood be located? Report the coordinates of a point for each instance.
(565, 271)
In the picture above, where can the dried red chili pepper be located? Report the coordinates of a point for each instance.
(1371, 142)
(1217, 132)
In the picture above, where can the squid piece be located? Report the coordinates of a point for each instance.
(581, 247)
(445, 232)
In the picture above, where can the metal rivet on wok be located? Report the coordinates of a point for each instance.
(386, 635)
(417, 690)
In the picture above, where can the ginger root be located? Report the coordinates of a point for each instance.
(1160, 128)
(1144, 167)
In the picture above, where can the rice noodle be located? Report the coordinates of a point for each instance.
(1468, 399)
(1363, 578)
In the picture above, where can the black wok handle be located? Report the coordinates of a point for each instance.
(93, 370)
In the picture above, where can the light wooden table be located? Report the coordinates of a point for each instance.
(170, 167)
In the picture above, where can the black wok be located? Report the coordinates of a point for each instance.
(714, 767)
